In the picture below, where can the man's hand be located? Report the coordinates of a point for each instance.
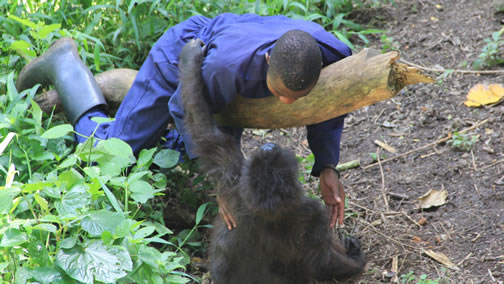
(226, 215)
(333, 195)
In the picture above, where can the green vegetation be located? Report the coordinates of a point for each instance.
(411, 278)
(463, 142)
(77, 213)
(491, 54)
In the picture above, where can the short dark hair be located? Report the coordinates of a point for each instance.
(296, 58)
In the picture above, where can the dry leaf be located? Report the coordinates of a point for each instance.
(422, 221)
(484, 95)
(441, 258)
(432, 198)
(416, 239)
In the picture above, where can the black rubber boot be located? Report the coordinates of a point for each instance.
(62, 67)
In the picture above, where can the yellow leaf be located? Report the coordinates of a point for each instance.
(484, 95)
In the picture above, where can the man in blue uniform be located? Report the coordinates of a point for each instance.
(238, 53)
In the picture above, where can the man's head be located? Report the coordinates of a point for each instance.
(294, 66)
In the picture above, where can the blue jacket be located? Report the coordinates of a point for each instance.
(234, 64)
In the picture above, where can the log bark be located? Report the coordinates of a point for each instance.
(359, 80)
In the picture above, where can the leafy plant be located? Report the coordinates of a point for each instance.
(410, 277)
(491, 54)
(463, 142)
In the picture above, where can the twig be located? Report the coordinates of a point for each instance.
(398, 195)
(476, 125)
(382, 178)
(442, 70)
(487, 166)
(474, 161)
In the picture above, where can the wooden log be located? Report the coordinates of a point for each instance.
(344, 86)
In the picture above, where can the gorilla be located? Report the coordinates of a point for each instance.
(281, 235)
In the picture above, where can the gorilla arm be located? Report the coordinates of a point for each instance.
(220, 155)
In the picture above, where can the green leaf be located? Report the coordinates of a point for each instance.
(13, 237)
(96, 261)
(46, 227)
(141, 191)
(137, 176)
(124, 228)
(69, 242)
(111, 197)
(7, 195)
(201, 212)
(73, 201)
(41, 202)
(92, 172)
(70, 178)
(145, 156)
(23, 21)
(166, 158)
(99, 119)
(144, 232)
(36, 113)
(98, 222)
(46, 30)
(57, 131)
(49, 274)
(68, 162)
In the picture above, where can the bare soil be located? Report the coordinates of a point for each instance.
(382, 199)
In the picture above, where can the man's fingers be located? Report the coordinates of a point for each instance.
(334, 216)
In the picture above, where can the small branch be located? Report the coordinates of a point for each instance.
(492, 164)
(442, 70)
(476, 125)
(383, 180)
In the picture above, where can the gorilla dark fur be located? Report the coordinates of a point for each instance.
(281, 235)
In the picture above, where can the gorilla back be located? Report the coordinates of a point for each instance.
(282, 236)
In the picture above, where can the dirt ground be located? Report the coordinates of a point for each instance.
(469, 228)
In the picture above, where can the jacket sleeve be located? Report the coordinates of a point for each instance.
(324, 141)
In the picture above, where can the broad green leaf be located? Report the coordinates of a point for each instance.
(57, 131)
(141, 191)
(46, 227)
(137, 176)
(144, 232)
(166, 158)
(98, 222)
(95, 262)
(7, 195)
(145, 156)
(116, 147)
(48, 274)
(13, 237)
(68, 162)
(69, 242)
(38, 252)
(73, 201)
(3, 265)
(124, 228)
(92, 172)
(70, 178)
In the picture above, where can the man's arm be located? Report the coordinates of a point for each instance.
(324, 140)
